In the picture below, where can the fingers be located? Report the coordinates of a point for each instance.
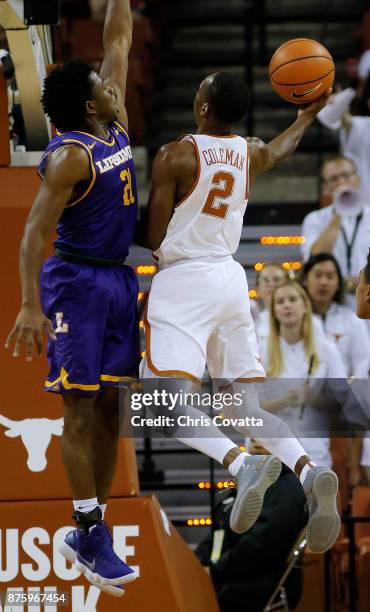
(38, 340)
(29, 345)
(29, 335)
(11, 336)
(18, 342)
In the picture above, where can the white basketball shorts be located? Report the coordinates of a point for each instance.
(198, 313)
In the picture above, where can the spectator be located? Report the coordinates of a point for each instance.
(248, 567)
(322, 279)
(343, 227)
(271, 275)
(354, 131)
(293, 352)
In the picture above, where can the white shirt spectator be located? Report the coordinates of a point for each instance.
(351, 338)
(296, 366)
(315, 222)
(356, 145)
(262, 326)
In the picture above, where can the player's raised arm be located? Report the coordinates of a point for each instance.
(117, 38)
(263, 157)
(66, 167)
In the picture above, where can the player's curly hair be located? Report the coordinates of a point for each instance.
(66, 90)
(229, 97)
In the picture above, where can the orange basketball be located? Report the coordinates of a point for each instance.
(301, 70)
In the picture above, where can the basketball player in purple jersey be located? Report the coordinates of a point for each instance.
(86, 298)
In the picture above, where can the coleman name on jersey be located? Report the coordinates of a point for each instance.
(224, 156)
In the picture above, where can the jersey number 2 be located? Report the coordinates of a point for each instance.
(128, 196)
(222, 187)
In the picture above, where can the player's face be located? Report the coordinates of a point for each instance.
(269, 278)
(322, 282)
(289, 307)
(104, 99)
(363, 297)
(339, 174)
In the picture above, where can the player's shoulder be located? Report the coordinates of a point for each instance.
(67, 153)
(255, 142)
(175, 151)
(66, 162)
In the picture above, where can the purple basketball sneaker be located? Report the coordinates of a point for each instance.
(93, 555)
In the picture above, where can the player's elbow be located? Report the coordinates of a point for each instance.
(119, 37)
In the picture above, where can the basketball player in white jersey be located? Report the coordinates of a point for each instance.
(198, 309)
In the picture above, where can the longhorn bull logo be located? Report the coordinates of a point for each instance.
(35, 435)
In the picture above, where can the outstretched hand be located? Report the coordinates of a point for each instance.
(28, 329)
(311, 110)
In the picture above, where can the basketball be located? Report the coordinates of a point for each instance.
(301, 70)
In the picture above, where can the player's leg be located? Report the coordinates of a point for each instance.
(176, 334)
(319, 483)
(242, 364)
(75, 359)
(78, 447)
(106, 436)
(78, 453)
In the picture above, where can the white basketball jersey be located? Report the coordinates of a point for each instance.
(208, 222)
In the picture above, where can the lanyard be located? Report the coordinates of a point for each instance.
(349, 245)
(309, 372)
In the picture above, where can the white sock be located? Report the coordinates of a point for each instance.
(235, 465)
(103, 508)
(85, 505)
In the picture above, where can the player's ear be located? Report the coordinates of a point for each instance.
(90, 108)
(205, 110)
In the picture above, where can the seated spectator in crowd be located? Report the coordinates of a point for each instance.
(343, 227)
(271, 275)
(354, 130)
(246, 568)
(322, 279)
(294, 352)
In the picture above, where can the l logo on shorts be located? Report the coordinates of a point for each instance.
(61, 328)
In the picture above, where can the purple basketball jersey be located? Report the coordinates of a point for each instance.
(100, 219)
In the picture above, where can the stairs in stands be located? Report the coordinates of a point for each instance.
(207, 36)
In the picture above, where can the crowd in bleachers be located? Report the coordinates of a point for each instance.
(80, 35)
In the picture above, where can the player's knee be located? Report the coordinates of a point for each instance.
(78, 416)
